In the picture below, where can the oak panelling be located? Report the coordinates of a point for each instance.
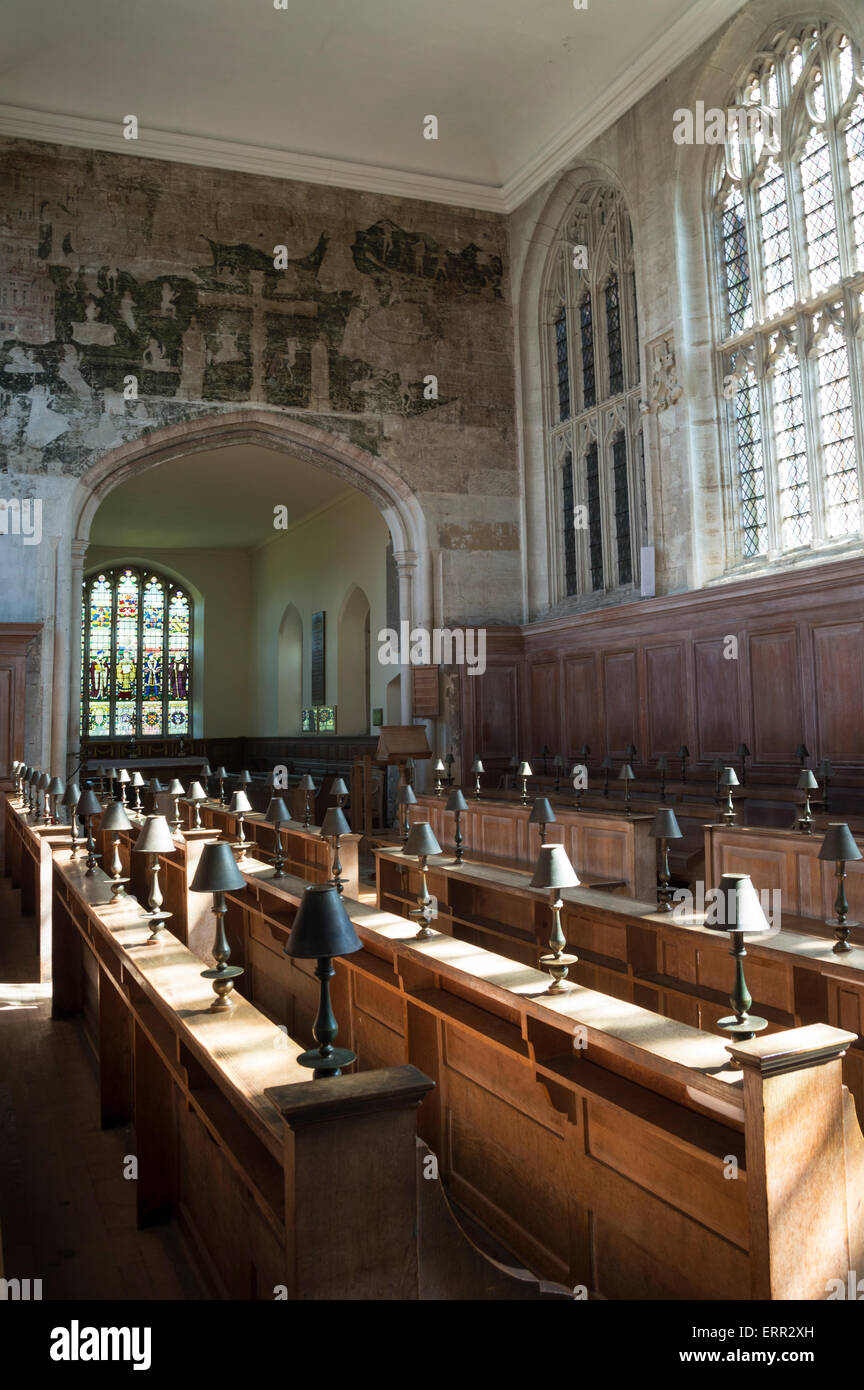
(716, 682)
(14, 640)
(788, 860)
(544, 708)
(498, 836)
(665, 698)
(775, 686)
(582, 706)
(496, 709)
(621, 700)
(838, 654)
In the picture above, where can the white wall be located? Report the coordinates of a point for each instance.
(314, 566)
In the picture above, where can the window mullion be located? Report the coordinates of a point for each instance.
(808, 363)
(765, 381)
(855, 352)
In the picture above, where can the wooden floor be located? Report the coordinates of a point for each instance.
(67, 1214)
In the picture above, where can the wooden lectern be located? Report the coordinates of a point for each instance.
(396, 744)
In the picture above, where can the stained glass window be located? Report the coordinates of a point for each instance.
(622, 509)
(790, 239)
(136, 627)
(568, 528)
(592, 362)
(563, 365)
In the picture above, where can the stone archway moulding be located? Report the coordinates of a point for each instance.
(369, 474)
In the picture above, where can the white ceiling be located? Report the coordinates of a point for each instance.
(222, 499)
(336, 91)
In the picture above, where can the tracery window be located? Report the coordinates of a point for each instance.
(789, 237)
(592, 373)
(136, 641)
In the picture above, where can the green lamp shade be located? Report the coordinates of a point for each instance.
(306, 783)
(322, 927)
(541, 812)
(456, 801)
(205, 771)
(553, 869)
(717, 765)
(44, 782)
(138, 780)
(176, 787)
(154, 785)
(421, 840)
(737, 907)
(56, 786)
(217, 870)
(801, 751)
(524, 770)
(630, 751)
(115, 817)
(405, 796)
(338, 788)
(277, 811)
(89, 804)
(240, 804)
(477, 767)
(244, 778)
(683, 751)
(807, 782)
(663, 764)
(123, 776)
(743, 751)
(626, 774)
(607, 764)
(839, 844)
(71, 796)
(334, 823)
(196, 793)
(825, 768)
(221, 773)
(729, 778)
(665, 825)
(155, 837)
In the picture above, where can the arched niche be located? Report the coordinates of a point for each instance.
(289, 693)
(354, 664)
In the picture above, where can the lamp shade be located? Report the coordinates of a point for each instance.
(825, 769)
(440, 765)
(477, 766)
(244, 778)
(338, 788)
(807, 782)
(154, 785)
(334, 823)
(123, 776)
(662, 764)
(277, 811)
(514, 762)
(115, 817)
(89, 803)
(205, 770)
(737, 907)
(221, 773)
(743, 751)
(405, 796)
(240, 803)
(607, 763)
(421, 840)
(196, 792)
(176, 787)
(541, 812)
(665, 825)
(114, 774)
(525, 770)
(306, 783)
(71, 796)
(626, 774)
(322, 927)
(729, 777)
(155, 837)
(44, 782)
(630, 751)
(102, 770)
(217, 870)
(801, 751)
(683, 751)
(717, 765)
(839, 844)
(56, 786)
(553, 869)
(456, 801)
(137, 779)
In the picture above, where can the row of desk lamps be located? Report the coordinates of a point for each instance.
(322, 929)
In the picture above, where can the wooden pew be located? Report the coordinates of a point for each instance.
(28, 851)
(608, 845)
(306, 853)
(267, 1170)
(787, 860)
(588, 1134)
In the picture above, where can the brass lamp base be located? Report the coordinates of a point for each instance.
(742, 1028)
(841, 932)
(157, 921)
(327, 1063)
(557, 967)
(118, 889)
(223, 983)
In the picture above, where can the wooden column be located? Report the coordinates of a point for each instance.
(802, 1233)
(351, 1184)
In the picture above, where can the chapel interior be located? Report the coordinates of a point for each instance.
(432, 652)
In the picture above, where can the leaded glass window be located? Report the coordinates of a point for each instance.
(790, 245)
(137, 656)
(592, 329)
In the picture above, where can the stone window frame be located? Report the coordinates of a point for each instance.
(598, 218)
(752, 356)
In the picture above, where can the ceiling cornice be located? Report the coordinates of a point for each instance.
(702, 19)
